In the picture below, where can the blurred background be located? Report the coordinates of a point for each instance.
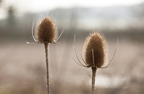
(22, 66)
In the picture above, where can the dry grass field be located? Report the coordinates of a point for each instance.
(22, 69)
(23, 65)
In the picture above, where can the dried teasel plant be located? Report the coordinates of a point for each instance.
(46, 33)
(95, 55)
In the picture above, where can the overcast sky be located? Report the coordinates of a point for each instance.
(41, 5)
(23, 6)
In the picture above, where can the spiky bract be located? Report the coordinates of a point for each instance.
(94, 50)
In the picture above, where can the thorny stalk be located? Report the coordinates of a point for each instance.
(47, 67)
(93, 80)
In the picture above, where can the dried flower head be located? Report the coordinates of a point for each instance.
(94, 50)
(95, 55)
(46, 31)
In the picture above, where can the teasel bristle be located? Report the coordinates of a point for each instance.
(95, 50)
(46, 31)
(95, 54)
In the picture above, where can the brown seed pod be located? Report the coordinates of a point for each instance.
(46, 31)
(94, 50)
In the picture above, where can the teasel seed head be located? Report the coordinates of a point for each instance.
(46, 31)
(95, 50)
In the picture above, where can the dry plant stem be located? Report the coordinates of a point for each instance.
(93, 79)
(47, 67)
